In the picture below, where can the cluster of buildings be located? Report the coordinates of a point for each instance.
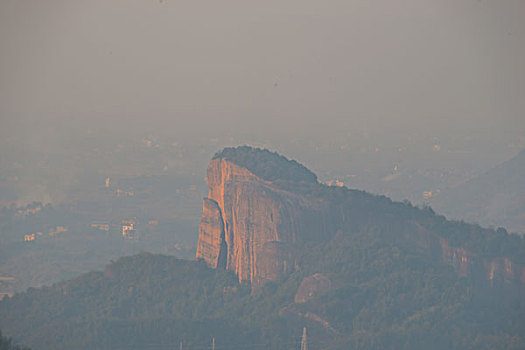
(59, 229)
(32, 209)
(335, 182)
(127, 228)
(32, 236)
(102, 227)
(430, 194)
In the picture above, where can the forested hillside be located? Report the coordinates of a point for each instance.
(381, 297)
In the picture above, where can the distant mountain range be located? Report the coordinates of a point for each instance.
(495, 198)
(278, 251)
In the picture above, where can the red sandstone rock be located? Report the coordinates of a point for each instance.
(251, 223)
(249, 226)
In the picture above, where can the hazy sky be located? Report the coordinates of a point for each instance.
(288, 66)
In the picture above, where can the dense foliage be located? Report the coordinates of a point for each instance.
(267, 165)
(383, 298)
(138, 301)
(7, 344)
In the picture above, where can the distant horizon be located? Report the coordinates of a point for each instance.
(278, 70)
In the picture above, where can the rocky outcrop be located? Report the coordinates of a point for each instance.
(492, 269)
(211, 234)
(464, 262)
(311, 287)
(461, 259)
(504, 270)
(256, 212)
(249, 225)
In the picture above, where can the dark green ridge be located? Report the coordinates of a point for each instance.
(266, 164)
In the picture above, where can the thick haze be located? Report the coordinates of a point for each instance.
(277, 68)
(110, 111)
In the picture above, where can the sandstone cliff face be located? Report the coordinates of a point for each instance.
(248, 225)
(465, 263)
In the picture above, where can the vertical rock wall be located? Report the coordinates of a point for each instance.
(251, 223)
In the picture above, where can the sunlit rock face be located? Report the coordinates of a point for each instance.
(249, 225)
(461, 259)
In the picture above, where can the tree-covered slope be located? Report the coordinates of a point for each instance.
(267, 165)
(382, 297)
(139, 300)
(7, 344)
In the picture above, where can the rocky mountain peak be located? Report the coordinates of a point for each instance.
(249, 222)
(255, 218)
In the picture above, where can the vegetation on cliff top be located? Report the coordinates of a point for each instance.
(267, 165)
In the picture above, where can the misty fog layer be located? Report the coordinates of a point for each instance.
(400, 98)
(301, 67)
